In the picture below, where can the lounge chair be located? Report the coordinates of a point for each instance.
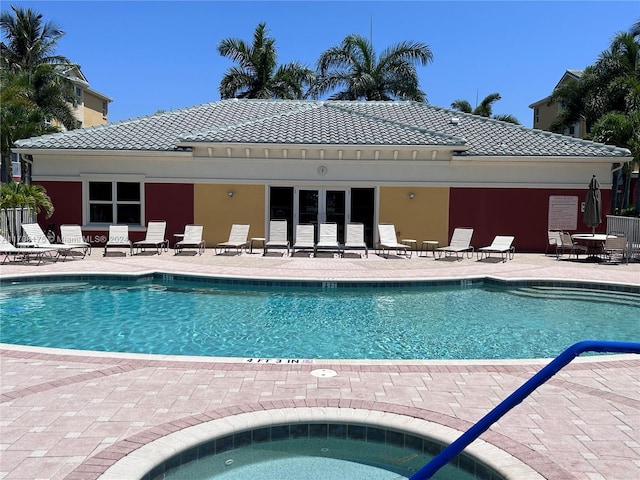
(37, 238)
(305, 238)
(388, 240)
(355, 238)
(277, 236)
(460, 243)
(502, 245)
(328, 238)
(615, 249)
(568, 245)
(23, 253)
(72, 235)
(192, 238)
(118, 238)
(155, 238)
(237, 239)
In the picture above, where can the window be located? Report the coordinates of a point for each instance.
(572, 130)
(79, 94)
(115, 202)
(105, 109)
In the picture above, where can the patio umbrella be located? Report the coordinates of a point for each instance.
(593, 206)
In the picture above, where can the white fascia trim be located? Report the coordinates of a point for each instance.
(102, 153)
(537, 159)
(323, 146)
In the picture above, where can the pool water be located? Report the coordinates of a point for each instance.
(435, 322)
(313, 459)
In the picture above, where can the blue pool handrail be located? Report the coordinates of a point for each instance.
(444, 457)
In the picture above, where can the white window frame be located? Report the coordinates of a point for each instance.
(86, 180)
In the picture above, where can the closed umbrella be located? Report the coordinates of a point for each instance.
(593, 206)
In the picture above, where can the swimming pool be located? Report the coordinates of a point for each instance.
(258, 320)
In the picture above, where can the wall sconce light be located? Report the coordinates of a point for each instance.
(412, 196)
(230, 194)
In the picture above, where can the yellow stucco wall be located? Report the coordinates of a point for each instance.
(216, 211)
(92, 110)
(425, 217)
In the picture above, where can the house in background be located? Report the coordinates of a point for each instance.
(544, 113)
(92, 106)
(423, 168)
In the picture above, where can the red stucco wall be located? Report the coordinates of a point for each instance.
(519, 212)
(67, 201)
(172, 202)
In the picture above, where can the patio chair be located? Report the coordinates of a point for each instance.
(355, 239)
(460, 243)
(388, 240)
(501, 244)
(568, 245)
(192, 238)
(37, 238)
(237, 239)
(118, 238)
(154, 238)
(328, 238)
(23, 253)
(615, 249)
(553, 240)
(305, 238)
(278, 236)
(72, 235)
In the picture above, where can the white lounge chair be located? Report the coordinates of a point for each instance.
(37, 238)
(192, 238)
(237, 238)
(355, 238)
(328, 238)
(23, 253)
(72, 235)
(118, 238)
(305, 238)
(460, 243)
(388, 240)
(278, 236)
(155, 238)
(501, 244)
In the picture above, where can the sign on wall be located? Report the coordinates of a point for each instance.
(563, 212)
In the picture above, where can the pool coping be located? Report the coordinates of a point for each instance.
(143, 460)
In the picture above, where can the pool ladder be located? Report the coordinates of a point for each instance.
(518, 396)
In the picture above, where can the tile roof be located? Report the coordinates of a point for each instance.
(282, 122)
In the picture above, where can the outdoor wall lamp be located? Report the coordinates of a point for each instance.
(230, 194)
(412, 196)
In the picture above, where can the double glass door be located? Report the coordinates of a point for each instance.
(322, 205)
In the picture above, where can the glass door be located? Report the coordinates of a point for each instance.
(320, 205)
(335, 202)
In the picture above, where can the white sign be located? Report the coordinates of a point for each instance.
(563, 212)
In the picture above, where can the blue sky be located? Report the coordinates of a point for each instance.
(160, 55)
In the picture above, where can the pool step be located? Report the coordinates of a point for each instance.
(616, 298)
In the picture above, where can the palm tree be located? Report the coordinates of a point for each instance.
(14, 195)
(484, 109)
(34, 93)
(354, 68)
(30, 41)
(607, 98)
(258, 74)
